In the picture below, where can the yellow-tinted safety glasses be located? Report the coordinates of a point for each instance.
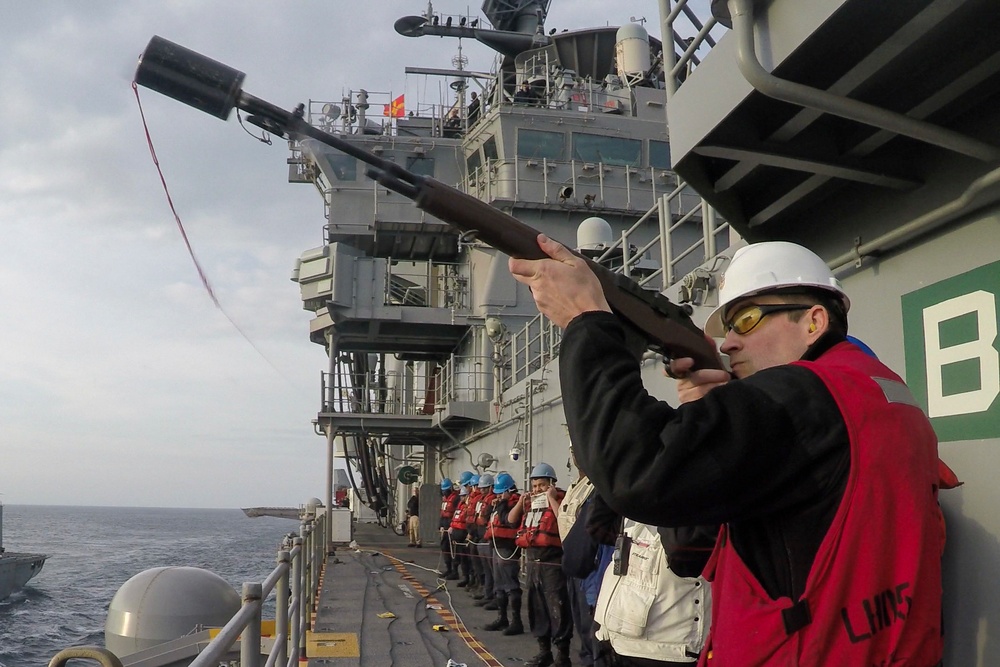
(748, 317)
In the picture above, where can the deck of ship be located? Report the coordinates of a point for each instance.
(385, 576)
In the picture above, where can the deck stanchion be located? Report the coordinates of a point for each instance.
(317, 560)
(307, 590)
(297, 635)
(281, 608)
(250, 642)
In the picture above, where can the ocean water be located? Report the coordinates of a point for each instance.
(94, 550)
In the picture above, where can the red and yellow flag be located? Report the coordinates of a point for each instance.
(394, 110)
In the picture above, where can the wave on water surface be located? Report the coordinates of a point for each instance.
(94, 550)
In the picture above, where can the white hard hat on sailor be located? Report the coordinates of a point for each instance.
(766, 267)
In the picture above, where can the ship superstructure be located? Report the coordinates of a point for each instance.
(867, 132)
(439, 360)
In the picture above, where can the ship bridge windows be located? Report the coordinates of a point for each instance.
(472, 163)
(659, 154)
(475, 160)
(421, 165)
(541, 145)
(607, 150)
(490, 150)
(342, 167)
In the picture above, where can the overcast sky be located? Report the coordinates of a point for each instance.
(120, 382)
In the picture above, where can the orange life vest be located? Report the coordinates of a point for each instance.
(458, 516)
(484, 506)
(448, 503)
(539, 527)
(471, 506)
(494, 528)
(873, 596)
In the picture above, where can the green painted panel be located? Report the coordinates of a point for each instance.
(953, 352)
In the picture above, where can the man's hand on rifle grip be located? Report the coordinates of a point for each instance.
(692, 385)
(563, 287)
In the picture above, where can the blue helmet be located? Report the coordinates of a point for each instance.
(485, 481)
(543, 470)
(445, 484)
(464, 478)
(504, 483)
(474, 480)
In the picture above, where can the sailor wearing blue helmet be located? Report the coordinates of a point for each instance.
(449, 503)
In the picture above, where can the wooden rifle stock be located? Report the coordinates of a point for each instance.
(666, 327)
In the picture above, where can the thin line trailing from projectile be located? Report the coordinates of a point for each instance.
(187, 242)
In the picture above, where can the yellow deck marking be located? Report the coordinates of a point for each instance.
(266, 629)
(332, 645)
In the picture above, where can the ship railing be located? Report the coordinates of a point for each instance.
(295, 582)
(553, 87)
(391, 392)
(579, 183)
(466, 378)
(627, 256)
(346, 116)
(528, 350)
(357, 112)
(537, 343)
(429, 284)
(295, 585)
(691, 49)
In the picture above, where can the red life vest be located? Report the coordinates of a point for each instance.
(448, 503)
(458, 516)
(484, 506)
(471, 505)
(496, 530)
(873, 595)
(539, 527)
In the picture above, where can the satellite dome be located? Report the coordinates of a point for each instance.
(632, 50)
(594, 234)
(165, 603)
(312, 504)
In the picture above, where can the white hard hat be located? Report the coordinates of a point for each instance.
(768, 266)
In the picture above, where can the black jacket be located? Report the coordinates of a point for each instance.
(769, 455)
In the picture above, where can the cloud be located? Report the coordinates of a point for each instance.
(120, 382)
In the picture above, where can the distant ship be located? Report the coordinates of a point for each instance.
(341, 485)
(16, 569)
(281, 512)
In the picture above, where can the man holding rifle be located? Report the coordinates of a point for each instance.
(813, 455)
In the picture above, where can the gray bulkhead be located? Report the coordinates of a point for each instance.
(900, 196)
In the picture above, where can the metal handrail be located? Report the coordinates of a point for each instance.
(477, 373)
(300, 568)
(102, 656)
(295, 581)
